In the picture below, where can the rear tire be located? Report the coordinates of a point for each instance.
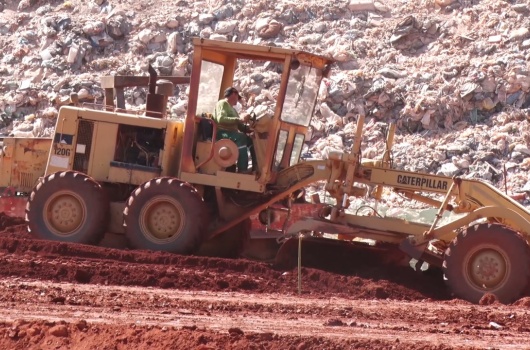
(165, 214)
(68, 206)
(487, 259)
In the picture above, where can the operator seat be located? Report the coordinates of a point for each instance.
(210, 158)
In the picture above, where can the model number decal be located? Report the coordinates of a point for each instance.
(422, 182)
(62, 152)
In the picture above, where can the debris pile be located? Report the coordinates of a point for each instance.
(452, 74)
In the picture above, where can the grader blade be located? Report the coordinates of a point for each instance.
(336, 255)
(262, 246)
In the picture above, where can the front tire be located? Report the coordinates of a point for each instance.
(487, 259)
(68, 206)
(165, 214)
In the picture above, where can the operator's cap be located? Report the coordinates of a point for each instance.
(230, 91)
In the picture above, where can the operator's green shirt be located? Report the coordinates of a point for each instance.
(225, 116)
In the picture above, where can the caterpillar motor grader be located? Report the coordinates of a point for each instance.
(166, 184)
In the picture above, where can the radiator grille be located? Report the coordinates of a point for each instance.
(84, 137)
(25, 180)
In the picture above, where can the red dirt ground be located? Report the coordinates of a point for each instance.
(65, 296)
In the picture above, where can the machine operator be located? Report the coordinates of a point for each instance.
(228, 127)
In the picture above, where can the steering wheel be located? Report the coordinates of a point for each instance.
(248, 127)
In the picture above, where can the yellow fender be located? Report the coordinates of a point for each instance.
(504, 216)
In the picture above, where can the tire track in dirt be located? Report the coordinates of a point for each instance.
(336, 319)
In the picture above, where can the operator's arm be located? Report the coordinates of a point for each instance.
(225, 114)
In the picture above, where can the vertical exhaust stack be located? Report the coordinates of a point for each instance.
(159, 91)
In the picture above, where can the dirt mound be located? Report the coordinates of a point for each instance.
(69, 296)
(81, 334)
(8, 221)
(359, 276)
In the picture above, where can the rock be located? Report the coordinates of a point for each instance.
(219, 37)
(489, 84)
(381, 7)
(59, 331)
(81, 325)
(172, 40)
(179, 109)
(223, 12)
(320, 27)
(234, 331)
(492, 324)
(32, 331)
(94, 28)
(225, 27)
(145, 36)
(172, 23)
(444, 3)
(361, 5)
(335, 322)
(72, 53)
(117, 27)
(46, 55)
(392, 73)
(495, 39)
(164, 63)
(467, 89)
(206, 18)
(159, 38)
(448, 169)
(310, 39)
(268, 30)
(522, 149)
(83, 94)
(521, 8)
(461, 163)
(23, 5)
(488, 104)
(519, 34)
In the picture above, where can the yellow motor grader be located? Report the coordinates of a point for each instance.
(165, 184)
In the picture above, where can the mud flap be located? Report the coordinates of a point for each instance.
(420, 253)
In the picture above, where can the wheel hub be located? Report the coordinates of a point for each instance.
(487, 268)
(65, 213)
(162, 218)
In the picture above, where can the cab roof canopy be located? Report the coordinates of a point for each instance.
(219, 51)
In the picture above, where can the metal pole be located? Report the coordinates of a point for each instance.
(300, 236)
(505, 180)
